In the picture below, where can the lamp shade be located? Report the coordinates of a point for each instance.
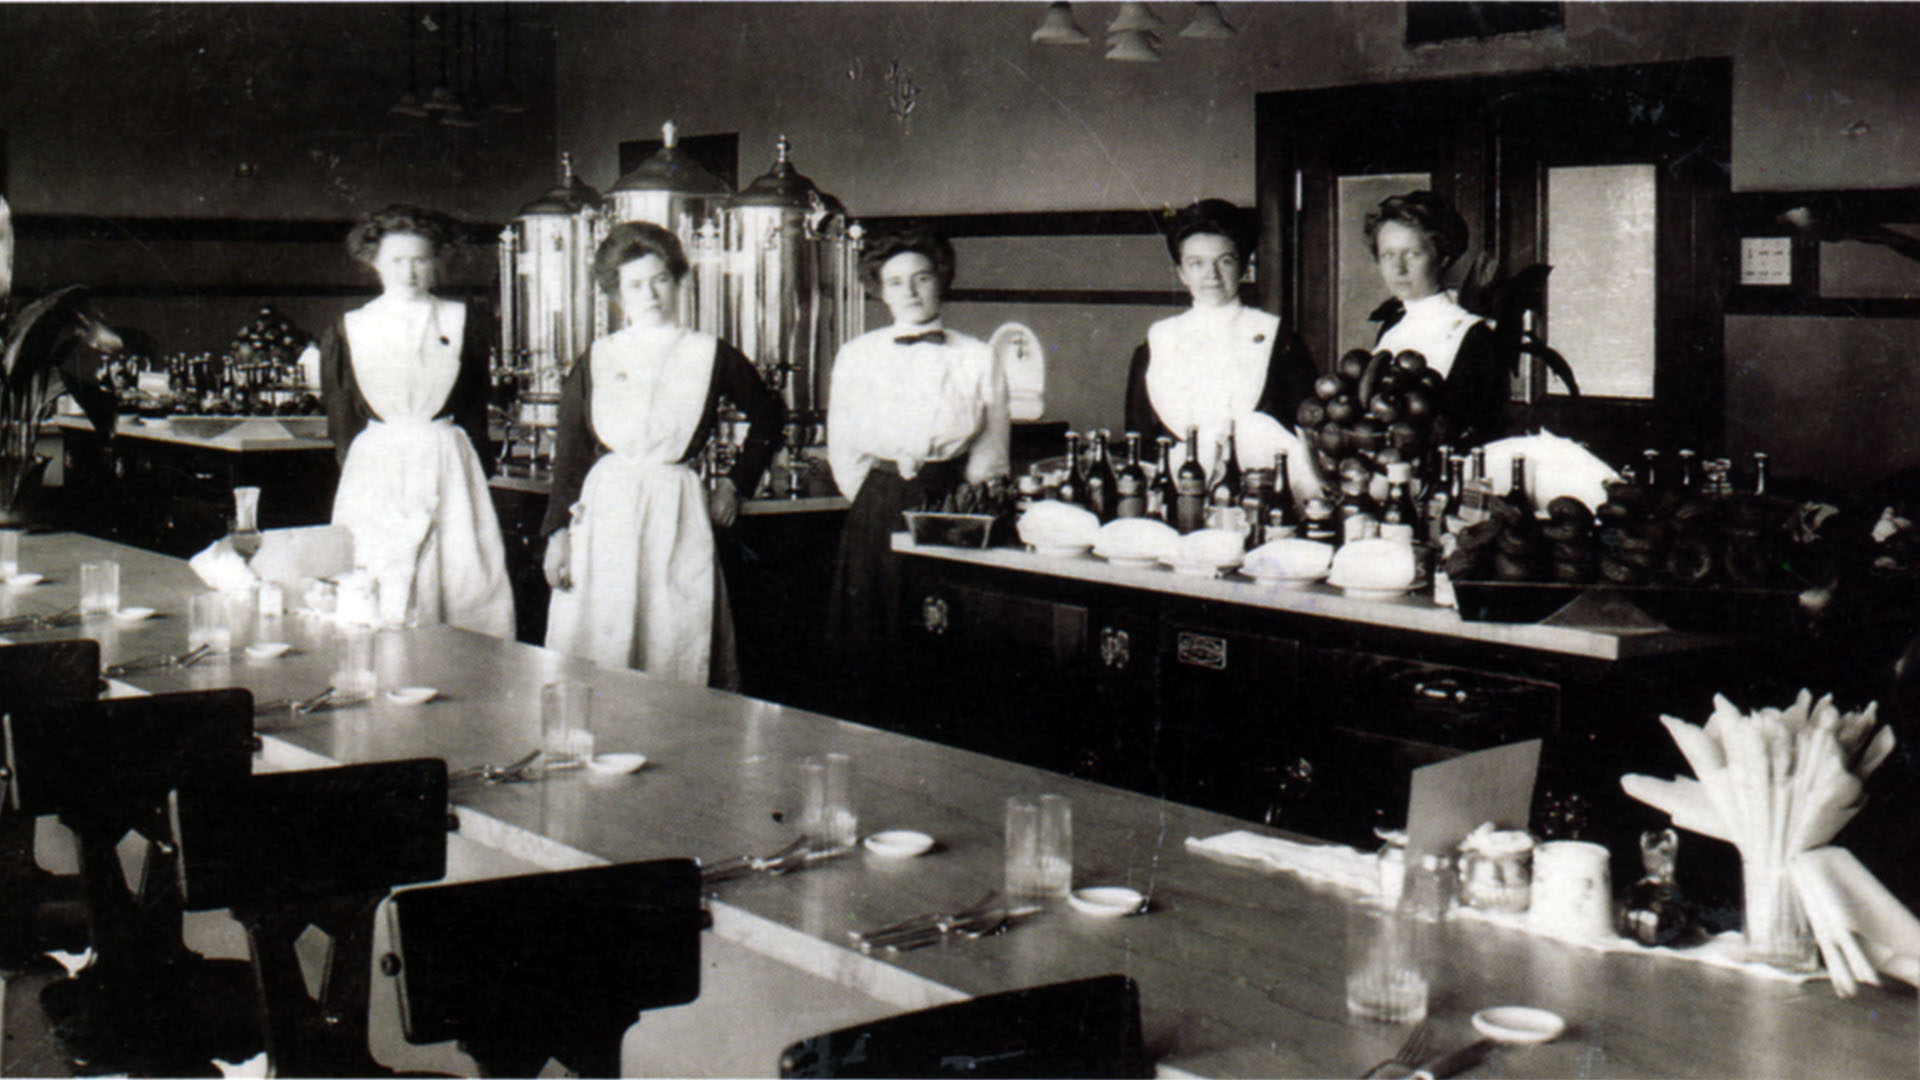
(1208, 23)
(1058, 27)
(1137, 46)
(1133, 16)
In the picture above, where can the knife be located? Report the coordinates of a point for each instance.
(1454, 1062)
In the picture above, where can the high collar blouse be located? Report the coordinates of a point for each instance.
(915, 403)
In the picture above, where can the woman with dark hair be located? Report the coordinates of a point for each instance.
(1415, 239)
(913, 410)
(1220, 363)
(405, 383)
(629, 526)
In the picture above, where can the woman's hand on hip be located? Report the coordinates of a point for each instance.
(723, 504)
(559, 560)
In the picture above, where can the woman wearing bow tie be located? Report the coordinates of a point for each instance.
(1219, 363)
(405, 382)
(913, 410)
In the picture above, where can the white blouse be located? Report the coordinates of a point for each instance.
(911, 404)
(406, 355)
(1433, 326)
(1208, 367)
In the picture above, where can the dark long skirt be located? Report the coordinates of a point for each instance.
(864, 613)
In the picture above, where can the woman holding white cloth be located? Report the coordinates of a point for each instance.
(405, 382)
(1219, 363)
(630, 548)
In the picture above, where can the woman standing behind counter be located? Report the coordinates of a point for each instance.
(1415, 239)
(629, 525)
(914, 410)
(405, 382)
(1220, 362)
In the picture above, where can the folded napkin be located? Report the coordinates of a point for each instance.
(288, 556)
(1863, 930)
(221, 567)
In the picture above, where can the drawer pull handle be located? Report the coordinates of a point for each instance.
(934, 616)
(1116, 648)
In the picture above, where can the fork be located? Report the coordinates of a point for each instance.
(492, 774)
(742, 865)
(1408, 1057)
(159, 660)
(982, 925)
(919, 922)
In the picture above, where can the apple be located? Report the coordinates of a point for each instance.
(1433, 381)
(1417, 404)
(1385, 408)
(1328, 386)
(1331, 437)
(1311, 413)
(1404, 435)
(1354, 364)
(1342, 408)
(1353, 468)
(1367, 435)
(1327, 464)
(1410, 361)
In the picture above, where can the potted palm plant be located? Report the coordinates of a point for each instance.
(52, 346)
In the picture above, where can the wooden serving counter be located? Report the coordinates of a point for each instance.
(1240, 972)
(1297, 706)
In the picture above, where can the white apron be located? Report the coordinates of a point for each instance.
(412, 490)
(641, 543)
(1208, 368)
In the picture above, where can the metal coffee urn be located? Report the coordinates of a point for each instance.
(548, 307)
(673, 191)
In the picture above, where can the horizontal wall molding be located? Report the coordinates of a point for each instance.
(1034, 223)
(1128, 297)
(205, 230)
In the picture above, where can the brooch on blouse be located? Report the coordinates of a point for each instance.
(1258, 338)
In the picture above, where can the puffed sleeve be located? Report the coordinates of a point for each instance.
(346, 412)
(575, 447)
(846, 420)
(735, 378)
(988, 454)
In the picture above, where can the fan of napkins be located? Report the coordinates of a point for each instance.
(1778, 784)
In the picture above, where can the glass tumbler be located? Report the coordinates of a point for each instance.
(1022, 880)
(209, 624)
(99, 587)
(1055, 864)
(827, 811)
(10, 552)
(566, 729)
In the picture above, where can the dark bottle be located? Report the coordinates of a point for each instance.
(1476, 491)
(1130, 483)
(1223, 489)
(1282, 517)
(1654, 913)
(1759, 472)
(1517, 489)
(1099, 480)
(1398, 519)
(1255, 494)
(1072, 491)
(1440, 500)
(1161, 494)
(1649, 476)
(1356, 518)
(1689, 483)
(1190, 489)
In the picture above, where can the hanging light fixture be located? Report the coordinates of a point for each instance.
(409, 103)
(441, 99)
(1208, 23)
(1135, 46)
(508, 99)
(1133, 17)
(1058, 27)
(468, 106)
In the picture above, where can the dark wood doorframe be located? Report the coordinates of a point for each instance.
(1486, 141)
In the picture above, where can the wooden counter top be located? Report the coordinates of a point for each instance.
(1414, 611)
(1240, 972)
(233, 433)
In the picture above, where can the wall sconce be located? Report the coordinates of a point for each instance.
(1208, 23)
(1058, 27)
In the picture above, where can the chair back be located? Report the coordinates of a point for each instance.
(1086, 1027)
(37, 671)
(556, 965)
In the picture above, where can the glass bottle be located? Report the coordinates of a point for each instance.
(245, 537)
(1759, 472)
(1398, 521)
(1517, 487)
(1255, 493)
(1190, 488)
(1130, 483)
(1099, 480)
(1282, 517)
(1072, 491)
(1440, 501)
(1476, 493)
(1356, 518)
(1161, 494)
(1649, 474)
(1654, 912)
(1223, 488)
(1688, 481)
(1317, 523)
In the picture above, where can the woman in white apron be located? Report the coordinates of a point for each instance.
(405, 382)
(630, 547)
(1220, 363)
(1415, 239)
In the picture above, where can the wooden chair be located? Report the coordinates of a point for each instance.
(146, 1004)
(547, 966)
(321, 848)
(38, 911)
(1087, 1027)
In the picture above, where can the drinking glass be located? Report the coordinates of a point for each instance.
(246, 537)
(99, 587)
(10, 552)
(353, 677)
(1023, 849)
(209, 623)
(1054, 867)
(827, 812)
(566, 729)
(1393, 947)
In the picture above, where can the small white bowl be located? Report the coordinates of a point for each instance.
(616, 764)
(1107, 901)
(268, 650)
(1519, 1024)
(25, 581)
(133, 614)
(899, 843)
(412, 695)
